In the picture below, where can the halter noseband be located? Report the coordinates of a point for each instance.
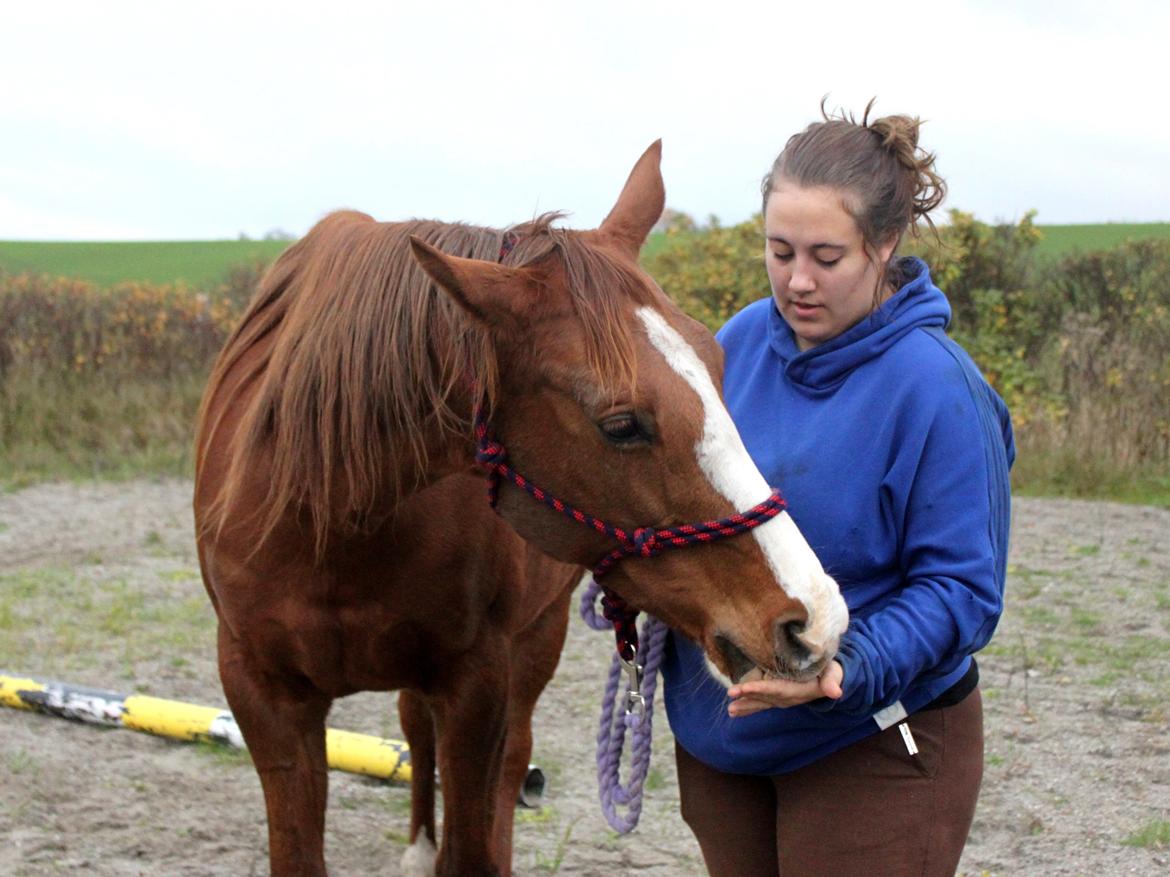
(642, 542)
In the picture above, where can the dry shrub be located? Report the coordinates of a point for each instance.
(1109, 357)
(102, 381)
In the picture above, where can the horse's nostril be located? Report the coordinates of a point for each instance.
(789, 639)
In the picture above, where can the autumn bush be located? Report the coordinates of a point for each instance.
(711, 272)
(1109, 355)
(103, 381)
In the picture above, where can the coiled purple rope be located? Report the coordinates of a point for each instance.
(612, 731)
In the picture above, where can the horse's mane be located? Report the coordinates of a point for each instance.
(359, 360)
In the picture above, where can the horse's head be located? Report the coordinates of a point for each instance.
(608, 396)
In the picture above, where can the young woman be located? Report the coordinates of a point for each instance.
(893, 454)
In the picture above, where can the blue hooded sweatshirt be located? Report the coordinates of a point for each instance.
(893, 454)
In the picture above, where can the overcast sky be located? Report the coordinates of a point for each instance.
(206, 120)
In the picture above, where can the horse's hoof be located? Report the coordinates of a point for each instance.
(419, 858)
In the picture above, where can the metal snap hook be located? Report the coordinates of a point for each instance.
(635, 702)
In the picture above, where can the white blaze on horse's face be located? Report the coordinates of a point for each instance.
(725, 461)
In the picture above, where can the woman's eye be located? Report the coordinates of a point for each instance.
(783, 257)
(829, 263)
(621, 428)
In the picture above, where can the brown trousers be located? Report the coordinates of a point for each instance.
(869, 809)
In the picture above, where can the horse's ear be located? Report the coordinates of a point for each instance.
(486, 290)
(640, 204)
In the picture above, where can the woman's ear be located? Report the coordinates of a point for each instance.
(886, 251)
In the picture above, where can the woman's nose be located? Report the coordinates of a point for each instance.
(801, 281)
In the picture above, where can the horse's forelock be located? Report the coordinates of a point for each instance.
(603, 291)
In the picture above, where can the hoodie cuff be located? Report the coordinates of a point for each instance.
(852, 683)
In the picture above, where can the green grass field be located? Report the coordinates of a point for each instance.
(1064, 240)
(195, 263)
(205, 263)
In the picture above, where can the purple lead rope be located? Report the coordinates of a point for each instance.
(612, 731)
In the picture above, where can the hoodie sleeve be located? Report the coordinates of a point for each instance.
(948, 496)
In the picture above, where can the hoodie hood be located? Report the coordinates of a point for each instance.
(918, 303)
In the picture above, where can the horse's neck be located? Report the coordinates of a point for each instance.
(446, 453)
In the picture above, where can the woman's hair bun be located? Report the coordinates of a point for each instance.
(899, 136)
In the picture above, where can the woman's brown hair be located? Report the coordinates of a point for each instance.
(890, 183)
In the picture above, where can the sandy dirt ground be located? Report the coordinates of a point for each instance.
(99, 586)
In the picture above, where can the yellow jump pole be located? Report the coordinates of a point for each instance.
(344, 750)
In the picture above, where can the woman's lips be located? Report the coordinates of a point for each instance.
(804, 309)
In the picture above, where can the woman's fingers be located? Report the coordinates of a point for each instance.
(759, 694)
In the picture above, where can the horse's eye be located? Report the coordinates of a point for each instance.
(621, 428)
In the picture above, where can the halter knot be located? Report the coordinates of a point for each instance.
(645, 542)
(491, 454)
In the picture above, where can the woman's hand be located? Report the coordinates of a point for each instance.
(763, 694)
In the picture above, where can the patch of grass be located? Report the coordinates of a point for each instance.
(27, 600)
(538, 816)
(655, 779)
(398, 804)
(1105, 680)
(122, 611)
(1121, 656)
(225, 756)
(552, 865)
(1028, 573)
(1154, 835)
(20, 762)
(1027, 590)
(1086, 550)
(1039, 616)
(1083, 618)
(1148, 703)
(107, 428)
(655, 241)
(1041, 471)
(58, 621)
(179, 575)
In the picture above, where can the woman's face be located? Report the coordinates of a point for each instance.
(822, 280)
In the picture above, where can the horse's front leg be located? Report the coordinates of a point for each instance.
(535, 655)
(418, 725)
(471, 718)
(283, 723)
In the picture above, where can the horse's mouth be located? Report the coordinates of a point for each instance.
(738, 664)
(741, 668)
(791, 674)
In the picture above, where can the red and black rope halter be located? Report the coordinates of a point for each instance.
(640, 542)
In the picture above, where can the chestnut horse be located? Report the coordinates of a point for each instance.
(346, 547)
